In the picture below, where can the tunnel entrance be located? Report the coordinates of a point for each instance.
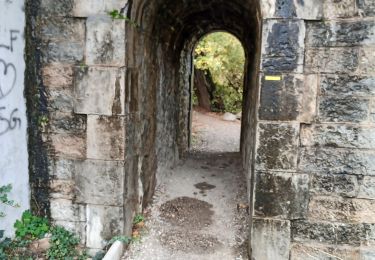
(217, 93)
(160, 45)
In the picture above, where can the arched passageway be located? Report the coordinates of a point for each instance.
(160, 42)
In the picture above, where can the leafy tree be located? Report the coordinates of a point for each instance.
(222, 55)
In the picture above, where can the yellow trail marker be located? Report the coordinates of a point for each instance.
(273, 78)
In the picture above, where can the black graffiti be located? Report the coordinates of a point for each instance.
(13, 38)
(9, 123)
(8, 77)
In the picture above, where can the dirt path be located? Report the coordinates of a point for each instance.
(195, 213)
(212, 134)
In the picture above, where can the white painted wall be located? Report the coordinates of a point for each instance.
(13, 123)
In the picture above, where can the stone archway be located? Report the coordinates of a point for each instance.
(116, 119)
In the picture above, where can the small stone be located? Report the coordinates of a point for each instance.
(229, 117)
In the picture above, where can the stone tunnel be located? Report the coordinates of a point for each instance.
(117, 95)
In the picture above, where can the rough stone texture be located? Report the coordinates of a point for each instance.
(338, 136)
(105, 99)
(103, 223)
(65, 210)
(62, 169)
(340, 33)
(333, 109)
(337, 161)
(321, 252)
(271, 239)
(281, 195)
(310, 9)
(341, 210)
(366, 61)
(292, 98)
(367, 188)
(284, 46)
(347, 85)
(105, 138)
(366, 7)
(332, 233)
(56, 76)
(108, 179)
(63, 40)
(331, 184)
(331, 60)
(105, 41)
(276, 146)
(85, 8)
(68, 145)
(338, 9)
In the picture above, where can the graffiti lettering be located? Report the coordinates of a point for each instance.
(8, 77)
(13, 38)
(10, 122)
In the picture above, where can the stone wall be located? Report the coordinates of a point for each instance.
(116, 95)
(314, 190)
(80, 71)
(13, 122)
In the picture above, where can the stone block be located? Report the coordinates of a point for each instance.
(367, 188)
(292, 98)
(105, 41)
(340, 33)
(338, 136)
(337, 161)
(281, 195)
(348, 109)
(270, 239)
(99, 91)
(61, 169)
(57, 76)
(310, 9)
(85, 8)
(367, 253)
(342, 8)
(65, 210)
(64, 29)
(347, 85)
(60, 100)
(57, 8)
(372, 111)
(317, 251)
(283, 46)
(103, 223)
(62, 189)
(276, 146)
(331, 60)
(68, 145)
(67, 123)
(100, 182)
(338, 209)
(366, 61)
(366, 7)
(330, 184)
(332, 233)
(63, 40)
(105, 138)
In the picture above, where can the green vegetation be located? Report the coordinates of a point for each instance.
(222, 57)
(138, 219)
(63, 244)
(31, 227)
(4, 199)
